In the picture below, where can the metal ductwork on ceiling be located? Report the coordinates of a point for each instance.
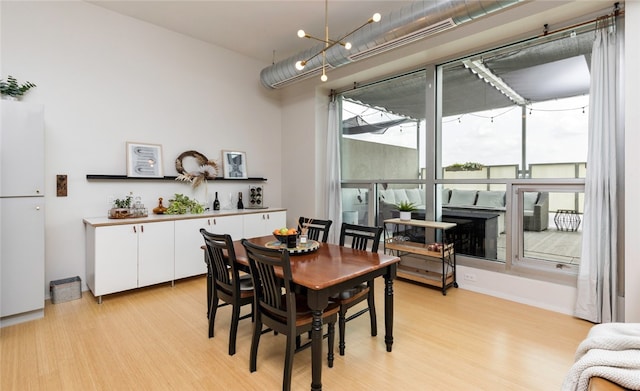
(412, 23)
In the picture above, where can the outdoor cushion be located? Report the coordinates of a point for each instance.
(400, 195)
(530, 199)
(491, 199)
(414, 196)
(462, 197)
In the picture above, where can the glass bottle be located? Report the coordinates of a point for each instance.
(240, 204)
(216, 203)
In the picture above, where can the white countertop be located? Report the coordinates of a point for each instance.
(105, 221)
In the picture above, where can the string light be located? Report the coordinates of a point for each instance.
(559, 110)
(531, 110)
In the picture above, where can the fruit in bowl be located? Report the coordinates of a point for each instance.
(286, 236)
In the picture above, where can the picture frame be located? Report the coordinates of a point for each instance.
(234, 165)
(144, 160)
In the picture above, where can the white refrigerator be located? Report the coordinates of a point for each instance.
(22, 236)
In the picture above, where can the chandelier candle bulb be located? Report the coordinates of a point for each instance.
(328, 43)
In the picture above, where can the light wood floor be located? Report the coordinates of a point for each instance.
(156, 339)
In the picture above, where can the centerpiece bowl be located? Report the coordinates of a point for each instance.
(288, 240)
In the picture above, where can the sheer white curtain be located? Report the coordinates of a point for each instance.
(597, 278)
(334, 199)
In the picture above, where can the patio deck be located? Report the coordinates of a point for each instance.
(552, 245)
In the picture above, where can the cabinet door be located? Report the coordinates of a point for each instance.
(22, 135)
(116, 259)
(155, 253)
(274, 220)
(22, 284)
(262, 224)
(230, 225)
(189, 258)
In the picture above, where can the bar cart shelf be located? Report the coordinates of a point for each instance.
(419, 262)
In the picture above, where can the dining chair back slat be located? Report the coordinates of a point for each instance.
(269, 292)
(361, 236)
(316, 229)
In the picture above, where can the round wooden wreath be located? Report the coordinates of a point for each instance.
(207, 169)
(200, 158)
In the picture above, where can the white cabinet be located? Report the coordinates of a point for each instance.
(261, 224)
(121, 257)
(189, 257)
(132, 253)
(155, 253)
(112, 259)
(21, 149)
(22, 284)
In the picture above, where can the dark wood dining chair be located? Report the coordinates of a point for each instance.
(359, 237)
(226, 283)
(316, 229)
(280, 308)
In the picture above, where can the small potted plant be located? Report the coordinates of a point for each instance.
(121, 208)
(405, 208)
(10, 89)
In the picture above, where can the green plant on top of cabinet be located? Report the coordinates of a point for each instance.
(12, 89)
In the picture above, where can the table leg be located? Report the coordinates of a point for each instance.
(316, 350)
(388, 310)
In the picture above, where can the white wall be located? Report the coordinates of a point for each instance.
(553, 297)
(105, 79)
(302, 164)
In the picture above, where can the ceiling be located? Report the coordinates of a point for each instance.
(254, 28)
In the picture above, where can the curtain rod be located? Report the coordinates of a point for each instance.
(616, 12)
(357, 85)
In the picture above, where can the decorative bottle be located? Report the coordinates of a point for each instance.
(240, 204)
(216, 203)
(160, 209)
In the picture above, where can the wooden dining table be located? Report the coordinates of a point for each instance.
(329, 270)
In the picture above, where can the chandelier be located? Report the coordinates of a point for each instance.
(329, 43)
